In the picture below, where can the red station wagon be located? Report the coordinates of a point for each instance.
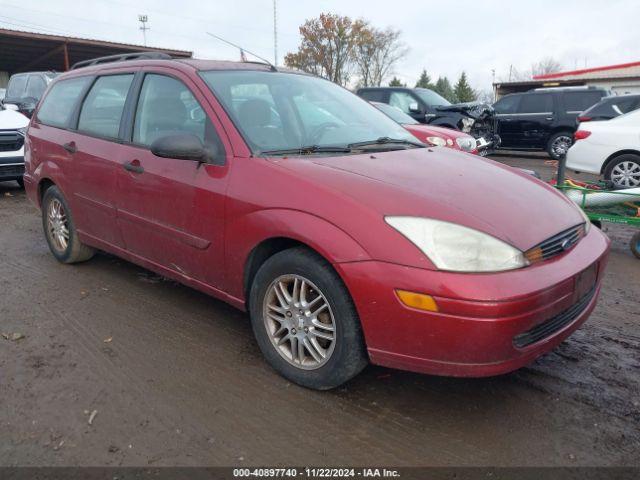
(346, 239)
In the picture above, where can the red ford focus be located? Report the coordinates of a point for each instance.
(346, 239)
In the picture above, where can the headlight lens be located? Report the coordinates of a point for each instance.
(456, 248)
(468, 144)
(587, 221)
(437, 141)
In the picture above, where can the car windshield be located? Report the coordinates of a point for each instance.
(395, 114)
(431, 98)
(280, 112)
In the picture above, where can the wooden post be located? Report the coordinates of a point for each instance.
(66, 57)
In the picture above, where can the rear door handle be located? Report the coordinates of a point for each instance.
(134, 166)
(70, 147)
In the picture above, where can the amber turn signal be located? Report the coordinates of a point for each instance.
(419, 301)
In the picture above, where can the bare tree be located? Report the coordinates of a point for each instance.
(545, 66)
(376, 53)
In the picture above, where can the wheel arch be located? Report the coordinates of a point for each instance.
(260, 235)
(43, 185)
(613, 156)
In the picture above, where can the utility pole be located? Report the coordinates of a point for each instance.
(275, 32)
(143, 19)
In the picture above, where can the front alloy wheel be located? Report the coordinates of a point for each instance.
(299, 321)
(626, 174)
(305, 321)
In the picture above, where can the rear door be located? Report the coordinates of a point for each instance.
(533, 120)
(171, 211)
(95, 151)
(505, 109)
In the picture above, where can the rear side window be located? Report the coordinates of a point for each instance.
(577, 102)
(507, 104)
(36, 87)
(16, 87)
(60, 102)
(102, 108)
(373, 95)
(536, 103)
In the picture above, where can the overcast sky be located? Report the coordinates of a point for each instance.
(445, 37)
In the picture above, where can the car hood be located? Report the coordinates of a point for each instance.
(472, 109)
(446, 185)
(431, 130)
(11, 120)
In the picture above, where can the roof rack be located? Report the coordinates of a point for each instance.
(560, 87)
(121, 58)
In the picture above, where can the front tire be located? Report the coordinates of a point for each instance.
(305, 322)
(624, 171)
(559, 144)
(60, 231)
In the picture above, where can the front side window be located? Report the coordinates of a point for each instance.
(102, 109)
(279, 111)
(536, 103)
(431, 98)
(402, 101)
(167, 107)
(507, 105)
(58, 105)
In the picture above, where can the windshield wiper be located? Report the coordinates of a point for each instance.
(386, 141)
(307, 150)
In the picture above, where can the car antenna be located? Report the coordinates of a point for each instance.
(271, 66)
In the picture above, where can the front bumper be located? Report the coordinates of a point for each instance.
(11, 167)
(480, 316)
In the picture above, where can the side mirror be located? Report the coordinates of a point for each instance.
(414, 107)
(185, 146)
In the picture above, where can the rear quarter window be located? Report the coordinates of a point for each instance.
(576, 102)
(16, 87)
(507, 104)
(58, 105)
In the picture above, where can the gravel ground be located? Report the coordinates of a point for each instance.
(118, 366)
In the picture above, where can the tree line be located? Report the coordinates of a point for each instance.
(348, 51)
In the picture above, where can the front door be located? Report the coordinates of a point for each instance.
(534, 120)
(171, 211)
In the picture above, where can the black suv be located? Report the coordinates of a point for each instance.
(25, 90)
(544, 118)
(426, 106)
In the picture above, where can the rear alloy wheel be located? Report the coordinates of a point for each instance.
(624, 171)
(304, 320)
(60, 230)
(559, 144)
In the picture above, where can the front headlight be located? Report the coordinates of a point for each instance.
(456, 248)
(437, 141)
(587, 221)
(468, 144)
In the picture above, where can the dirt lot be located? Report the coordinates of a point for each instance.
(176, 379)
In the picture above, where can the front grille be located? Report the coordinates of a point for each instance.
(10, 141)
(554, 324)
(555, 245)
(11, 171)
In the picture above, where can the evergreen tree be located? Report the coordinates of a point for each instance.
(424, 81)
(396, 82)
(443, 87)
(463, 91)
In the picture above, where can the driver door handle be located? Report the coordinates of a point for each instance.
(134, 166)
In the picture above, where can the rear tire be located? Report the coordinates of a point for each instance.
(623, 171)
(288, 291)
(60, 230)
(558, 145)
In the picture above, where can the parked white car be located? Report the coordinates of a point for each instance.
(13, 126)
(610, 148)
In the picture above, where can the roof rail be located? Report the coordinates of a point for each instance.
(121, 58)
